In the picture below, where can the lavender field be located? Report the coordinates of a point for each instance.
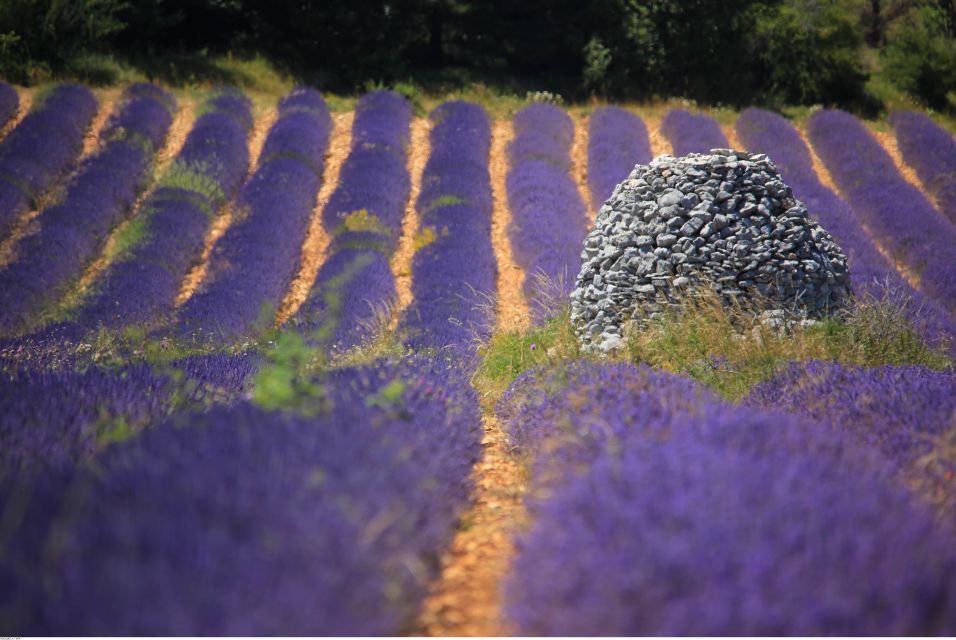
(303, 366)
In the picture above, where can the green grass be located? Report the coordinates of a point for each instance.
(727, 350)
(193, 177)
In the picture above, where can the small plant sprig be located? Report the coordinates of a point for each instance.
(288, 381)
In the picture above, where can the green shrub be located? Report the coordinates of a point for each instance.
(920, 56)
(39, 38)
(808, 52)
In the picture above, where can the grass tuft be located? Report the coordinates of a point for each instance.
(729, 350)
(193, 176)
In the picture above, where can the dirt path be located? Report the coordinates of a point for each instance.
(824, 176)
(512, 311)
(466, 599)
(579, 164)
(317, 238)
(257, 138)
(730, 132)
(108, 100)
(888, 141)
(26, 101)
(418, 150)
(660, 145)
(107, 104)
(178, 130)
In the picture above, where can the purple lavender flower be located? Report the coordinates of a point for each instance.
(341, 515)
(931, 150)
(71, 233)
(548, 217)
(668, 512)
(364, 214)
(453, 276)
(208, 170)
(692, 133)
(49, 419)
(254, 262)
(42, 147)
(870, 273)
(617, 140)
(874, 405)
(895, 212)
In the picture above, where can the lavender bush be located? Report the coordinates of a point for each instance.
(69, 234)
(617, 140)
(143, 286)
(9, 103)
(931, 151)
(42, 147)
(355, 284)
(692, 133)
(686, 516)
(453, 275)
(548, 219)
(870, 273)
(51, 418)
(255, 260)
(874, 405)
(896, 213)
(341, 515)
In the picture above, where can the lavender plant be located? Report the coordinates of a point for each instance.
(872, 276)
(548, 220)
(142, 287)
(51, 418)
(454, 271)
(874, 405)
(342, 515)
(617, 140)
(364, 214)
(692, 133)
(931, 151)
(679, 515)
(42, 147)
(256, 259)
(895, 212)
(69, 234)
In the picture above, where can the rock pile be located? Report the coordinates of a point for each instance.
(724, 219)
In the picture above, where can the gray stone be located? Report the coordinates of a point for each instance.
(724, 220)
(666, 240)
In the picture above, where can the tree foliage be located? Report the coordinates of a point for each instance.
(730, 51)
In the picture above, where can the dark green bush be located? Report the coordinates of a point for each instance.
(808, 52)
(39, 38)
(920, 55)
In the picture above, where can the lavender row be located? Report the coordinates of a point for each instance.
(49, 419)
(898, 215)
(453, 275)
(241, 521)
(692, 133)
(142, 286)
(41, 148)
(871, 275)
(931, 151)
(69, 234)
(255, 260)
(9, 103)
(548, 217)
(355, 286)
(688, 516)
(897, 410)
(617, 140)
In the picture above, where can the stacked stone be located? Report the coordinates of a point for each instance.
(724, 219)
